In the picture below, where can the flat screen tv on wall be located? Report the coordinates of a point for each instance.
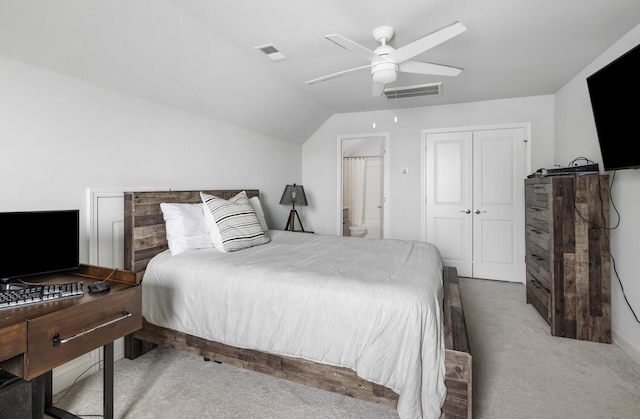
(614, 91)
(37, 242)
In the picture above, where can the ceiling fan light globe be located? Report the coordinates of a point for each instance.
(384, 71)
(385, 76)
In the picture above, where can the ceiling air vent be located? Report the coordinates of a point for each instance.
(431, 89)
(272, 52)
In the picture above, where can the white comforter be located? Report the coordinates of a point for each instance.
(374, 306)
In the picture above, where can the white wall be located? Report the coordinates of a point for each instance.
(319, 161)
(167, 51)
(60, 136)
(576, 136)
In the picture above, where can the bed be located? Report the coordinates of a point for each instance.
(278, 275)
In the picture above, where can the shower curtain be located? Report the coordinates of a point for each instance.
(353, 189)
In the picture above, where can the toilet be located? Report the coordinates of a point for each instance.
(357, 231)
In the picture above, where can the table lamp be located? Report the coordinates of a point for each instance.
(293, 195)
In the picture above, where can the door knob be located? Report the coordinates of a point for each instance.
(467, 211)
(478, 211)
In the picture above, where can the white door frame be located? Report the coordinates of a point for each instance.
(385, 201)
(423, 197)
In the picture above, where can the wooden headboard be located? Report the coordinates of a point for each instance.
(144, 231)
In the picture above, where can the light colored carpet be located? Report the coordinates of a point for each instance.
(169, 384)
(519, 371)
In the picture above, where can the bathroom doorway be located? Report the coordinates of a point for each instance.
(363, 185)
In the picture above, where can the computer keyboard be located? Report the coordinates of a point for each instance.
(13, 295)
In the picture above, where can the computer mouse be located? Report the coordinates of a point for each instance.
(99, 286)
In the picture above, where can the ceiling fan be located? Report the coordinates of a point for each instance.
(386, 61)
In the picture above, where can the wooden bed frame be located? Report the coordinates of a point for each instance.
(145, 236)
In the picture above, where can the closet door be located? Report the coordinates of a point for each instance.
(498, 204)
(474, 205)
(449, 181)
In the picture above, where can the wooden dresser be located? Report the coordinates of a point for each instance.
(567, 257)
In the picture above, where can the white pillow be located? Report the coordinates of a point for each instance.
(186, 227)
(257, 205)
(234, 220)
(212, 226)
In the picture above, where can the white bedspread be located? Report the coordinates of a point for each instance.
(374, 306)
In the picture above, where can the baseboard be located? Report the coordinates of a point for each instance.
(626, 345)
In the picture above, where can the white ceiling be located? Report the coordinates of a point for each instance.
(199, 56)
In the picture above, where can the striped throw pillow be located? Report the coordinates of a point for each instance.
(233, 223)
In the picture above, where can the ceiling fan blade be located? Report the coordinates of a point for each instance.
(338, 74)
(428, 68)
(378, 88)
(427, 42)
(354, 47)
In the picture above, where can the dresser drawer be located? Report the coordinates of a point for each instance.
(538, 194)
(538, 238)
(14, 340)
(540, 273)
(539, 297)
(538, 217)
(538, 255)
(65, 334)
(538, 262)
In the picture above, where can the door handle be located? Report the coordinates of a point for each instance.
(479, 212)
(467, 211)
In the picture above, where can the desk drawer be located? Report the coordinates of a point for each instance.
(65, 334)
(13, 341)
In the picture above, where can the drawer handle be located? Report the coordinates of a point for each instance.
(536, 257)
(536, 283)
(56, 337)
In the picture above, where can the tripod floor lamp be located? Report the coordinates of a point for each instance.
(293, 195)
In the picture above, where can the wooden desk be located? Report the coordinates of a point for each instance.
(36, 338)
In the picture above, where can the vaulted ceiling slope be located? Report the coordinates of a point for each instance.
(200, 56)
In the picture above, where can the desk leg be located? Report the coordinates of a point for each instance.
(38, 396)
(108, 381)
(42, 396)
(45, 381)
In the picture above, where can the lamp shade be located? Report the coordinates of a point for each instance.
(293, 195)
